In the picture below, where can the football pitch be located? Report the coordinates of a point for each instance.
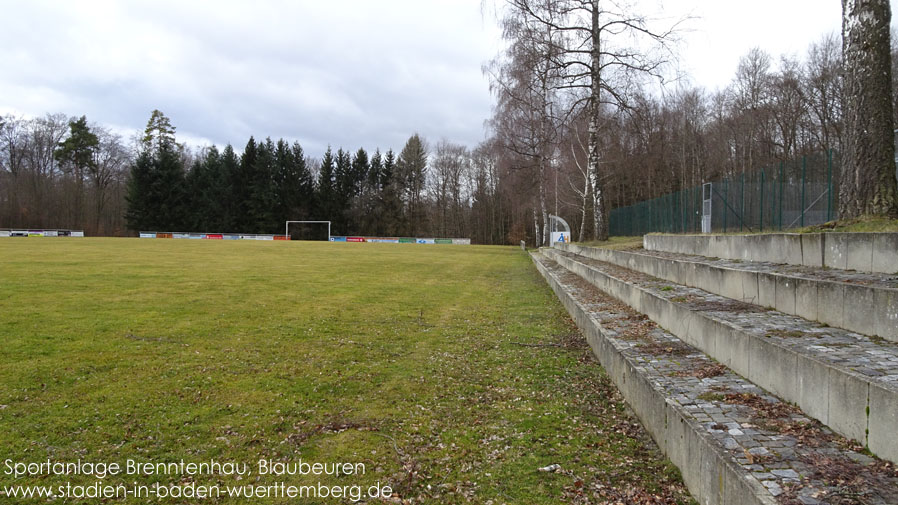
(444, 374)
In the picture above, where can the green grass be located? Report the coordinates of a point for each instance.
(861, 224)
(405, 358)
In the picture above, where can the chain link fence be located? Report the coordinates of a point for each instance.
(796, 193)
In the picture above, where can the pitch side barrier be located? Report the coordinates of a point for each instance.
(212, 236)
(402, 240)
(40, 233)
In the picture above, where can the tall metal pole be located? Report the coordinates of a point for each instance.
(804, 167)
(829, 185)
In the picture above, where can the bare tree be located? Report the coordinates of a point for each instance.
(604, 48)
(823, 89)
(110, 167)
(868, 175)
(525, 79)
(449, 167)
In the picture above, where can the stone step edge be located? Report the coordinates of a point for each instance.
(706, 467)
(867, 310)
(863, 410)
(864, 252)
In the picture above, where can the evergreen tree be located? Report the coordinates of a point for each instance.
(207, 187)
(231, 206)
(156, 190)
(159, 131)
(294, 182)
(264, 192)
(344, 190)
(140, 207)
(392, 221)
(412, 171)
(169, 190)
(359, 172)
(326, 191)
(375, 169)
(77, 155)
(241, 188)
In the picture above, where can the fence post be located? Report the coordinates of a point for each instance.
(761, 206)
(742, 204)
(804, 167)
(829, 185)
(726, 205)
(782, 186)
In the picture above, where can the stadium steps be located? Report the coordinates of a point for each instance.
(866, 303)
(733, 442)
(863, 252)
(845, 380)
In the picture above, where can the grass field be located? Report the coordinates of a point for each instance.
(451, 372)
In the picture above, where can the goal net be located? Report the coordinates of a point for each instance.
(308, 230)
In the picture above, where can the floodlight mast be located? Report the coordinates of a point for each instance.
(287, 227)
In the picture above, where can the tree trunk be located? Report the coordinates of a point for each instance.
(542, 201)
(536, 239)
(868, 174)
(592, 165)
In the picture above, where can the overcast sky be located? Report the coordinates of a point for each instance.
(350, 73)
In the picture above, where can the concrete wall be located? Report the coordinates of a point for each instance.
(836, 397)
(854, 307)
(864, 252)
(706, 468)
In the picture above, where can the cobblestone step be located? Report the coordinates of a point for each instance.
(843, 379)
(733, 442)
(864, 252)
(863, 302)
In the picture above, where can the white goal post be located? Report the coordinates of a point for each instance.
(287, 226)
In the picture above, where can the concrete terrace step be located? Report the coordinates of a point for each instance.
(734, 443)
(863, 302)
(838, 377)
(864, 252)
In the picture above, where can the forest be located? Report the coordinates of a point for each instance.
(544, 151)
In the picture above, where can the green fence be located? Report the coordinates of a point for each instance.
(793, 194)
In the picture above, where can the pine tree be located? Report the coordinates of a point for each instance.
(294, 182)
(344, 190)
(241, 188)
(391, 218)
(375, 170)
(264, 192)
(159, 131)
(76, 154)
(326, 191)
(231, 206)
(412, 170)
(156, 193)
(207, 188)
(139, 213)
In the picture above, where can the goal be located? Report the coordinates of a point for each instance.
(287, 226)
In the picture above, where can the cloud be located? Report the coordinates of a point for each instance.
(353, 73)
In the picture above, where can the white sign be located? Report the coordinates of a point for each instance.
(561, 237)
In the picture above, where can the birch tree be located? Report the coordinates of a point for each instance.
(606, 48)
(525, 80)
